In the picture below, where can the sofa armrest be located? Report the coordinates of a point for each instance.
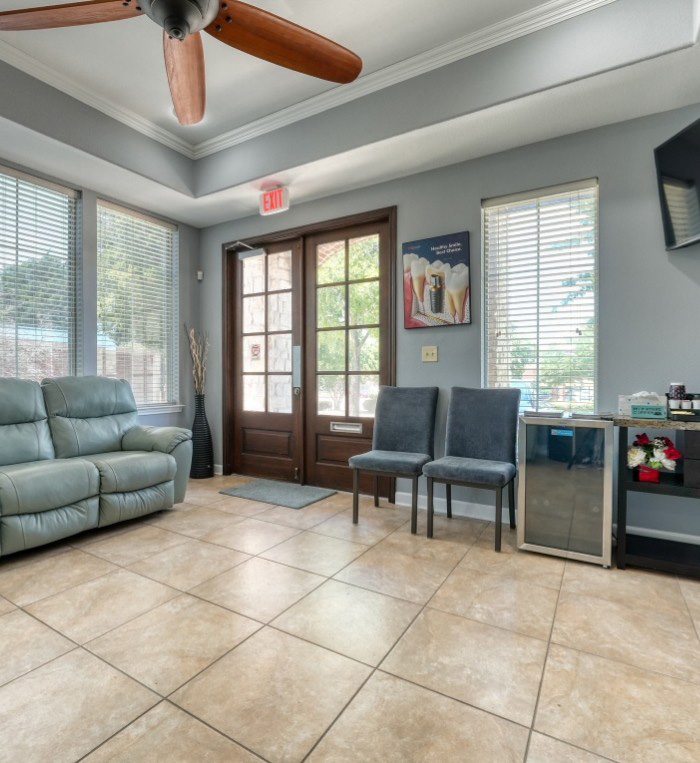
(163, 439)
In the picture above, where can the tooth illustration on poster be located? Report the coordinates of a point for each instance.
(436, 281)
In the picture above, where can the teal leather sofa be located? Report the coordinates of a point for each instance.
(73, 457)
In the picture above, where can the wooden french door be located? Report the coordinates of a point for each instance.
(348, 352)
(267, 345)
(308, 341)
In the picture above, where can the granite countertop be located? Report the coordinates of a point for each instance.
(690, 425)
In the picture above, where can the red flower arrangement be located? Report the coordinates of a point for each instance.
(651, 456)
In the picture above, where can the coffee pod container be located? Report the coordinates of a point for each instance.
(676, 391)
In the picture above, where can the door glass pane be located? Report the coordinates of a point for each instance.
(279, 347)
(363, 257)
(363, 352)
(279, 271)
(279, 312)
(331, 351)
(254, 274)
(254, 393)
(331, 307)
(331, 395)
(254, 353)
(363, 391)
(253, 315)
(330, 262)
(279, 394)
(364, 303)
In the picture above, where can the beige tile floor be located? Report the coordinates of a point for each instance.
(230, 630)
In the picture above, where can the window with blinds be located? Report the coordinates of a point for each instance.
(137, 322)
(38, 278)
(540, 296)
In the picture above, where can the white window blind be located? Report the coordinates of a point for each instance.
(38, 278)
(540, 296)
(137, 298)
(683, 208)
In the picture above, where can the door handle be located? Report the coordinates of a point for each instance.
(296, 370)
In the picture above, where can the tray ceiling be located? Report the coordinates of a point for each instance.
(118, 67)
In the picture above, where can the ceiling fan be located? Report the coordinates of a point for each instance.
(237, 24)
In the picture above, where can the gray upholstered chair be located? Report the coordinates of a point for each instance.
(482, 427)
(404, 437)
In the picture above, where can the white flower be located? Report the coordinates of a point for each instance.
(635, 456)
(660, 457)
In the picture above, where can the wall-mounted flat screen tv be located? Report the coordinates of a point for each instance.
(678, 170)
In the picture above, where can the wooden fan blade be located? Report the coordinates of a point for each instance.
(72, 14)
(184, 63)
(281, 42)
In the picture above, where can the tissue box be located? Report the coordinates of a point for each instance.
(643, 405)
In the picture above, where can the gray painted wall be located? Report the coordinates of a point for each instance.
(649, 299)
(623, 31)
(34, 104)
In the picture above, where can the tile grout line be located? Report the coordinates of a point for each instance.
(687, 608)
(388, 652)
(191, 678)
(119, 730)
(544, 669)
(374, 669)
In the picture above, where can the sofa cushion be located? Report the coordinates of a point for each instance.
(120, 507)
(44, 485)
(88, 414)
(23, 531)
(24, 430)
(126, 471)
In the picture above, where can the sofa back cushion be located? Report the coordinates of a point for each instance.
(88, 414)
(24, 430)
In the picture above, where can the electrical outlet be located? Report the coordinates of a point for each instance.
(429, 354)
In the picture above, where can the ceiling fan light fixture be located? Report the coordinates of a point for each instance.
(176, 28)
(235, 23)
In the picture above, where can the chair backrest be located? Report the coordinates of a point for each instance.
(483, 423)
(24, 430)
(404, 419)
(88, 414)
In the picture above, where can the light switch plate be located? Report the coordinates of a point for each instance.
(429, 354)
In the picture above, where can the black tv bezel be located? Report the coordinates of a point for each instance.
(669, 237)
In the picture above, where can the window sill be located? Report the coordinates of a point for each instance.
(158, 410)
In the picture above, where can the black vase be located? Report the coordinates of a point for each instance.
(202, 449)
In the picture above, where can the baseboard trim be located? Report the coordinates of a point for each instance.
(650, 532)
(459, 508)
(486, 512)
(218, 470)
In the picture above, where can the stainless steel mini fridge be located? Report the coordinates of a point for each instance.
(565, 487)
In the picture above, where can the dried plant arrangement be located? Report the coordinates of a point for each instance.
(199, 350)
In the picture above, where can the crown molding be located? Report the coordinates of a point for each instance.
(30, 65)
(543, 16)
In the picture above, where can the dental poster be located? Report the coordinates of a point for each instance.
(436, 281)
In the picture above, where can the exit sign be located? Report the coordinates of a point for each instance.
(274, 201)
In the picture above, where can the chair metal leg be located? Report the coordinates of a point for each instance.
(376, 491)
(448, 499)
(431, 508)
(414, 506)
(511, 503)
(499, 513)
(355, 495)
